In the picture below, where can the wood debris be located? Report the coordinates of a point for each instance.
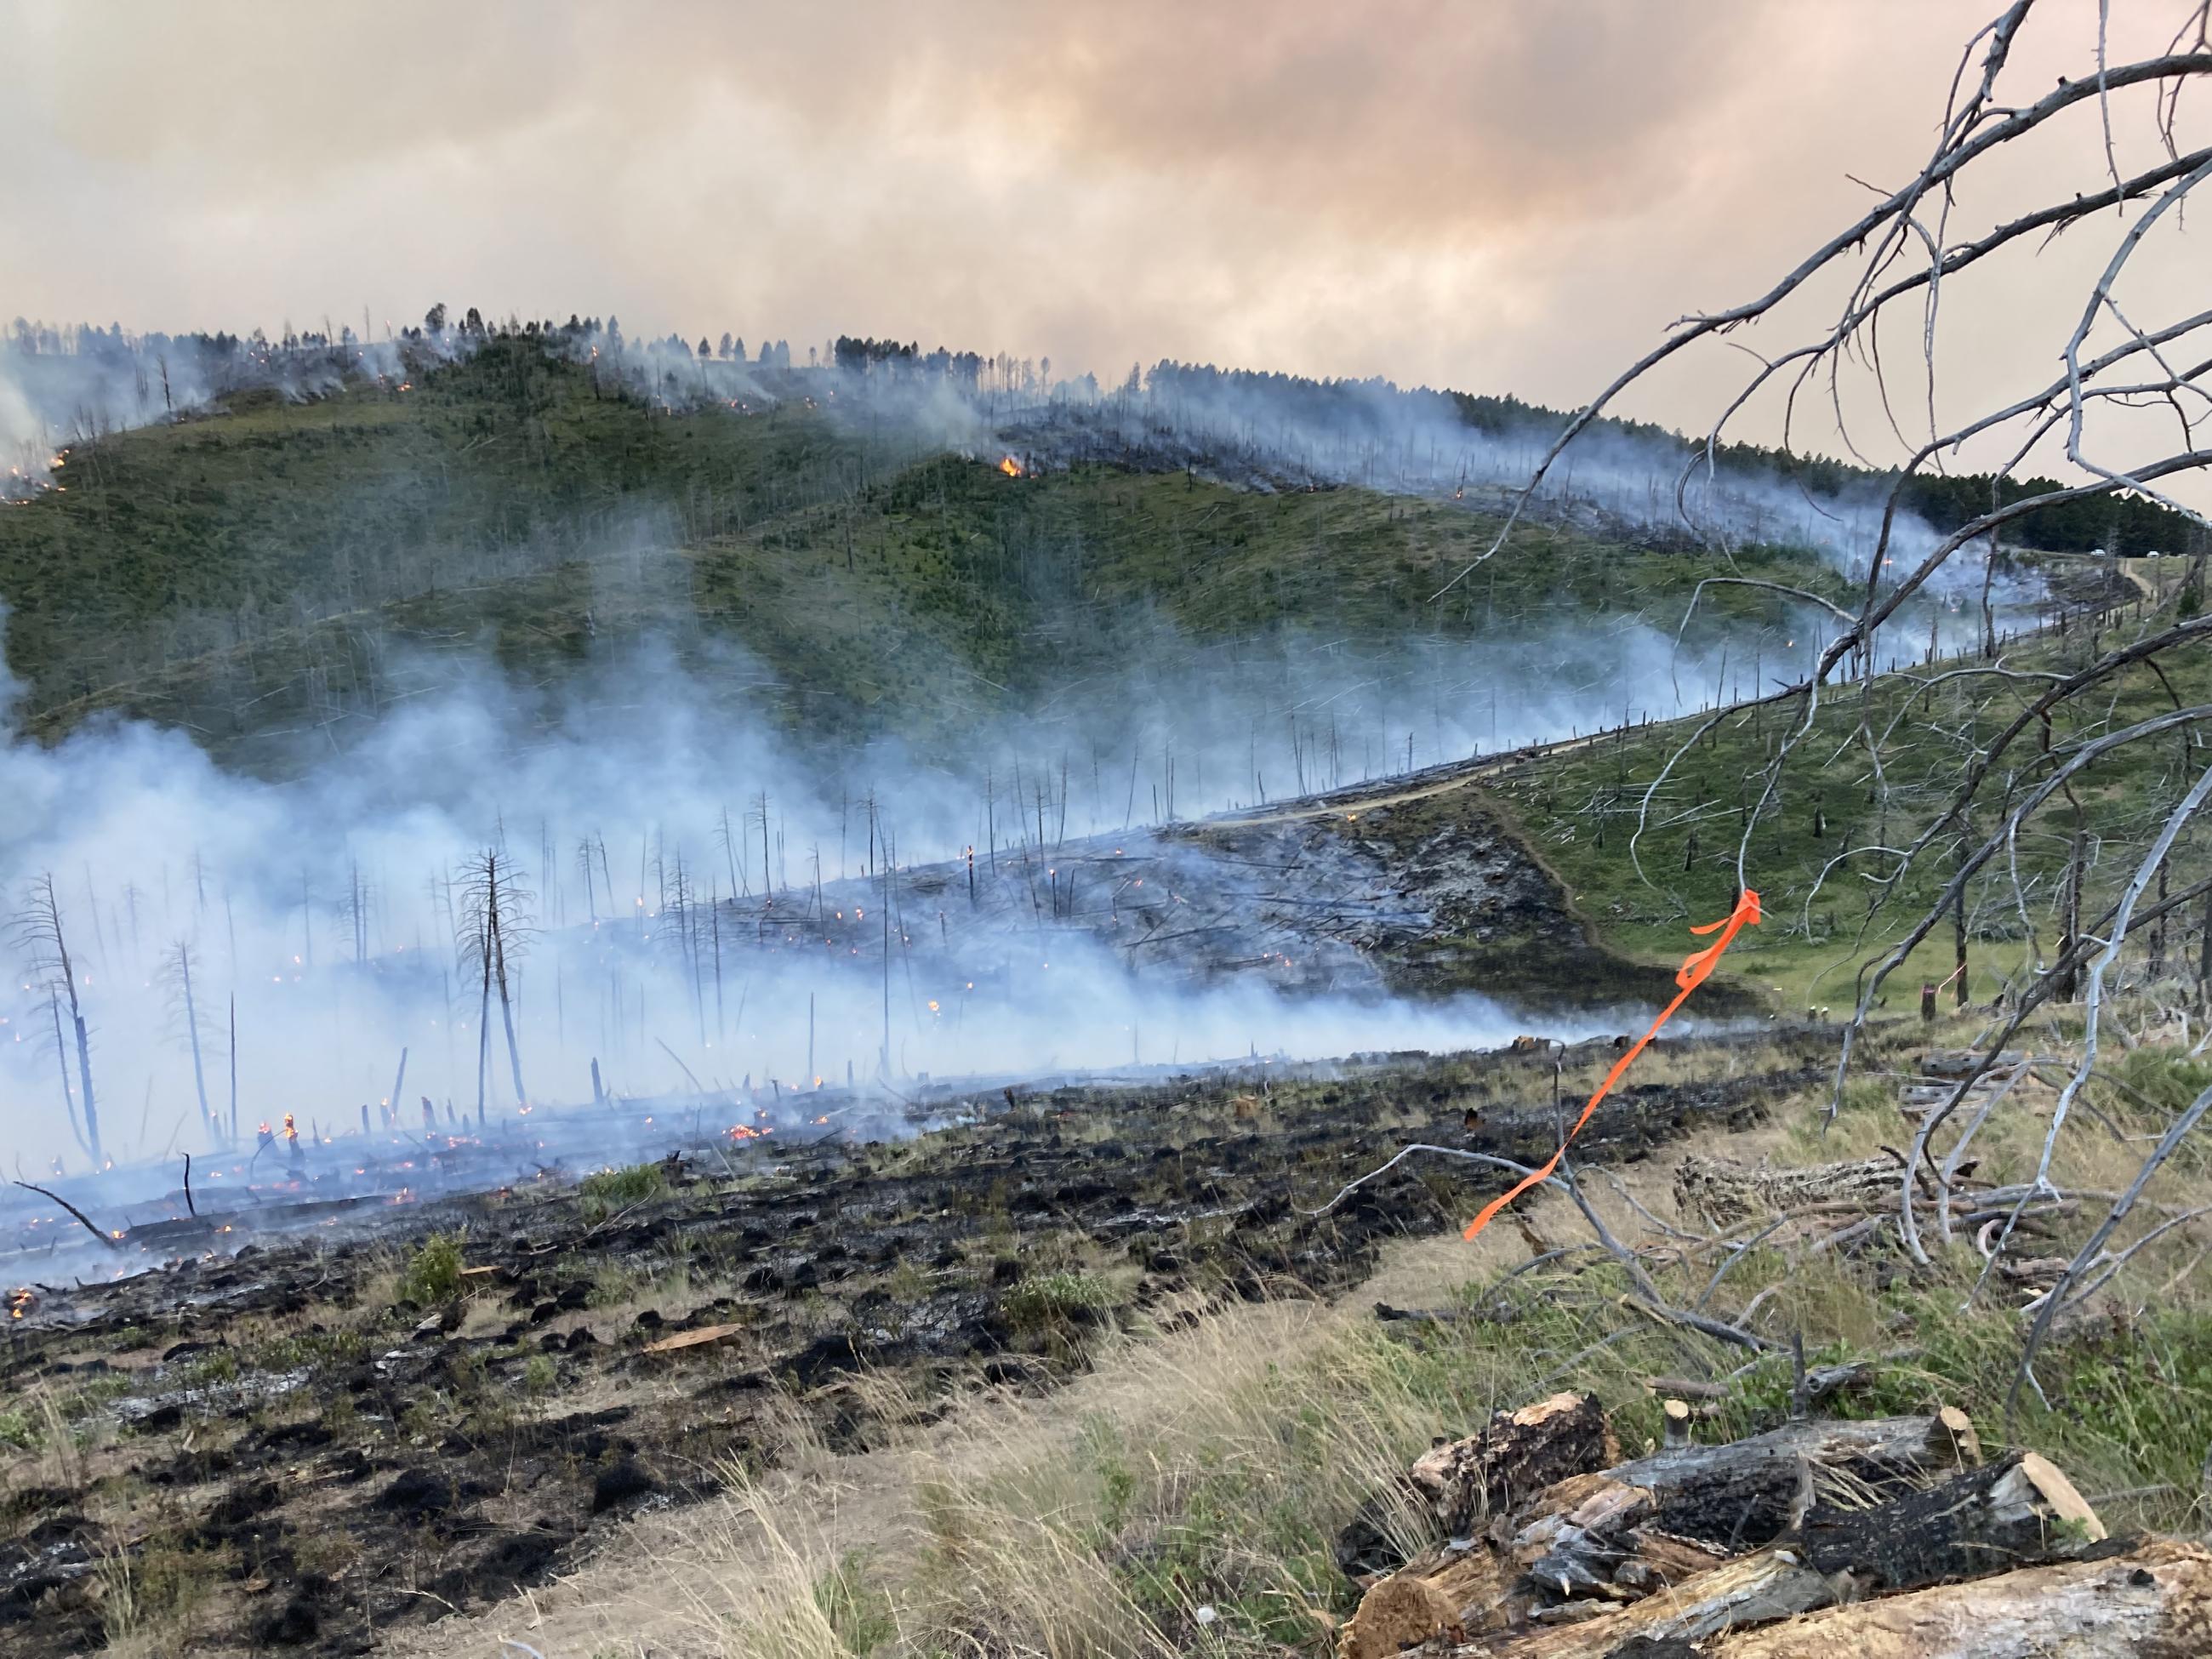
(1890, 1536)
(692, 1338)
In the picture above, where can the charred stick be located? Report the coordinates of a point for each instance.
(103, 1237)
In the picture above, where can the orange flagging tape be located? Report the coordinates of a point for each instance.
(1691, 975)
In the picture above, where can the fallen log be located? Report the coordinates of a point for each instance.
(1726, 1193)
(692, 1338)
(2151, 1602)
(1746, 1493)
(1517, 1455)
(1957, 1062)
(1389, 1314)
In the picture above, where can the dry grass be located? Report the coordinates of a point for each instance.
(1011, 1526)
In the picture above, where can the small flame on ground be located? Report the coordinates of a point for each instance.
(1011, 467)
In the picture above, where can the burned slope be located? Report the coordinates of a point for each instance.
(1385, 893)
(302, 1443)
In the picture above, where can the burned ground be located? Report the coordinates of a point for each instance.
(308, 1442)
(1417, 886)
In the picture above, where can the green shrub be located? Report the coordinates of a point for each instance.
(433, 1273)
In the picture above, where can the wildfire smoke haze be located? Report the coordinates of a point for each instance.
(681, 866)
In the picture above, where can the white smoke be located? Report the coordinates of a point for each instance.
(324, 905)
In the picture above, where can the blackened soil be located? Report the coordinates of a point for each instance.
(285, 1456)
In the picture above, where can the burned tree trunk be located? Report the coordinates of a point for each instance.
(483, 1041)
(61, 1058)
(2065, 977)
(2204, 956)
(1959, 948)
(84, 1077)
(1748, 1493)
(507, 1020)
(38, 927)
(2019, 1512)
(495, 920)
(192, 1031)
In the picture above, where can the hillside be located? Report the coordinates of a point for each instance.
(280, 566)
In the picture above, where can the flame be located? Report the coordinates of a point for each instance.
(21, 1301)
(1011, 467)
(291, 1129)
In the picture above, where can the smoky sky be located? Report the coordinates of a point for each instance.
(1499, 195)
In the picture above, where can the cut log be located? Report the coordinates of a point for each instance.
(1954, 1433)
(1754, 1590)
(1445, 1596)
(2019, 1512)
(1822, 1381)
(1518, 1454)
(1745, 1494)
(1726, 1193)
(2152, 1602)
